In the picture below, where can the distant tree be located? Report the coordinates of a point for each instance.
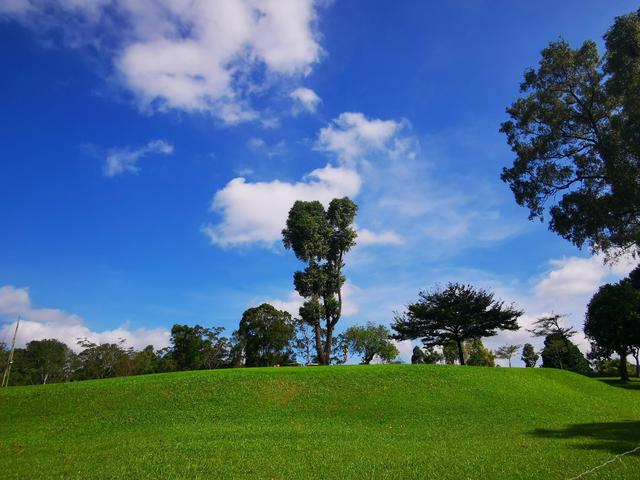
(197, 347)
(428, 355)
(529, 356)
(145, 361)
(266, 336)
(369, 341)
(455, 313)
(576, 136)
(99, 360)
(478, 355)
(417, 356)
(613, 321)
(216, 348)
(450, 352)
(321, 238)
(506, 352)
(303, 344)
(560, 352)
(551, 325)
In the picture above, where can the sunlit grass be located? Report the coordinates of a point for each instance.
(396, 421)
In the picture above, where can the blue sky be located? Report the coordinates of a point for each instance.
(150, 151)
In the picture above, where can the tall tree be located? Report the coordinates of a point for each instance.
(576, 135)
(450, 352)
(455, 313)
(187, 345)
(506, 352)
(266, 336)
(529, 356)
(369, 341)
(613, 321)
(321, 238)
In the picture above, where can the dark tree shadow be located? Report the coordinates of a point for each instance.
(632, 384)
(615, 437)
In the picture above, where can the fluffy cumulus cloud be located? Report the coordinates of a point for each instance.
(305, 99)
(257, 211)
(125, 160)
(188, 55)
(40, 323)
(384, 237)
(352, 135)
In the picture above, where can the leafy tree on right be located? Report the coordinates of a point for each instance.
(612, 322)
(576, 136)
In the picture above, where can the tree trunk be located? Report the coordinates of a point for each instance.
(460, 352)
(624, 374)
(319, 350)
(328, 343)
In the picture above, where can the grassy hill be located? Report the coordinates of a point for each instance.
(396, 421)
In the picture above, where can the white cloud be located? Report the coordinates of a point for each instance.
(306, 98)
(257, 211)
(125, 160)
(384, 237)
(352, 135)
(578, 275)
(41, 323)
(188, 55)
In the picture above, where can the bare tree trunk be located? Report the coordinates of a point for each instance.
(460, 351)
(624, 374)
(319, 350)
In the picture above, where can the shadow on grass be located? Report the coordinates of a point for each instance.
(632, 384)
(615, 437)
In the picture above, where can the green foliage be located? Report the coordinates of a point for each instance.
(371, 422)
(455, 313)
(321, 238)
(560, 352)
(529, 356)
(613, 321)
(369, 341)
(266, 336)
(576, 136)
(427, 355)
(197, 347)
(450, 352)
(506, 352)
(477, 354)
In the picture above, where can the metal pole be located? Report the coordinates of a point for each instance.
(7, 370)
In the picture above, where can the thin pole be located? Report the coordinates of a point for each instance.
(7, 370)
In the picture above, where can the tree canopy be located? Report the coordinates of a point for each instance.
(266, 336)
(369, 341)
(455, 313)
(576, 135)
(506, 352)
(529, 356)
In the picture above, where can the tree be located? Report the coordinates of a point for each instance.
(450, 352)
(455, 313)
(99, 360)
(613, 321)
(551, 325)
(197, 347)
(529, 356)
(369, 341)
(560, 352)
(506, 352)
(417, 356)
(266, 336)
(478, 355)
(321, 238)
(49, 361)
(576, 136)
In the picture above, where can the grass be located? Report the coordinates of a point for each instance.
(395, 421)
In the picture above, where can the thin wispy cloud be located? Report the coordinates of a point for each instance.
(123, 160)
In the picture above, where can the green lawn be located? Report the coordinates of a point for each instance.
(394, 421)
